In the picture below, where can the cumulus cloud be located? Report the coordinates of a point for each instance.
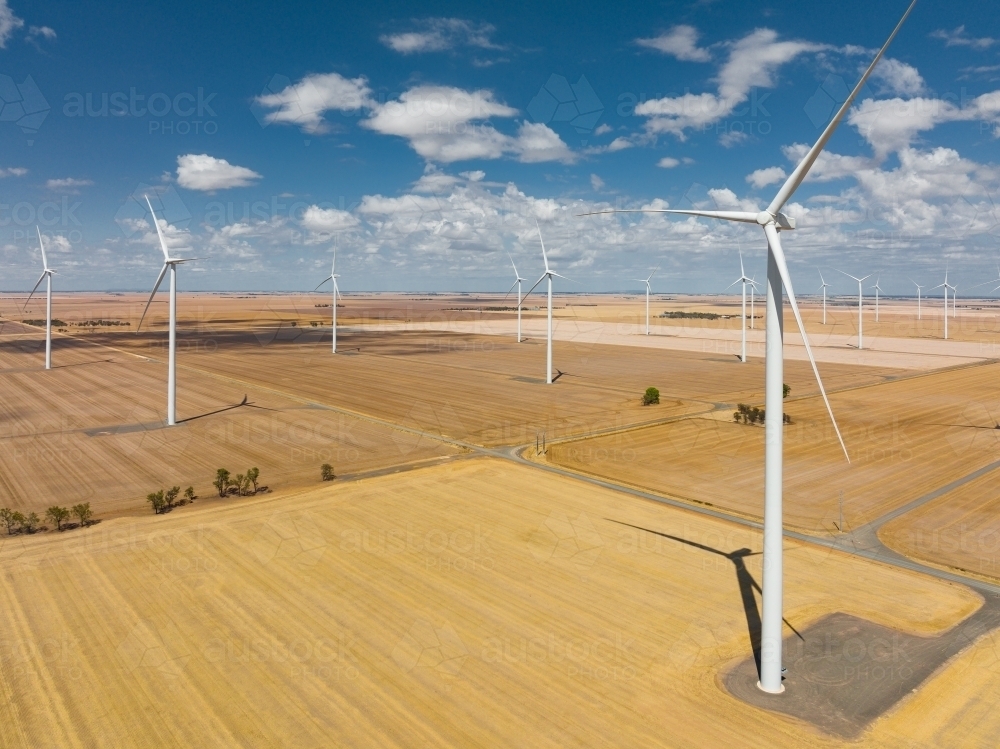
(305, 103)
(41, 32)
(958, 38)
(207, 173)
(441, 34)
(753, 61)
(327, 220)
(14, 171)
(668, 162)
(9, 23)
(69, 184)
(899, 78)
(596, 183)
(680, 42)
(763, 177)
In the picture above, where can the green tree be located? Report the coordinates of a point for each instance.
(736, 416)
(29, 522)
(785, 390)
(189, 494)
(221, 481)
(170, 497)
(83, 512)
(651, 396)
(58, 515)
(240, 482)
(157, 500)
(18, 519)
(252, 475)
(326, 471)
(8, 519)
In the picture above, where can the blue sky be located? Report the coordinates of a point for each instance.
(425, 142)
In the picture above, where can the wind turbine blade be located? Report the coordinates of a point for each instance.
(337, 289)
(333, 268)
(745, 216)
(516, 274)
(545, 258)
(533, 287)
(37, 284)
(328, 278)
(163, 244)
(734, 283)
(159, 280)
(859, 280)
(508, 291)
(797, 176)
(658, 267)
(743, 273)
(779, 257)
(41, 244)
(553, 273)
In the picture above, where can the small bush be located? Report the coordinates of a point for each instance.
(326, 472)
(785, 390)
(651, 396)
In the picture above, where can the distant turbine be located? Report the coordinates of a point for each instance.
(516, 283)
(753, 288)
(877, 290)
(919, 287)
(823, 285)
(743, 317)
(171, 264)
(548, 274)
(860, 294)
(47, 274)
(336, 292)
(646, 281)
(772, 221)
(945, 286)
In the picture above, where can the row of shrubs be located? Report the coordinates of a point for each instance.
(240, 484)
(165, 500)
(753, 415)
(18, 522)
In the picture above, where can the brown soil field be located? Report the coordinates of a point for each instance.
(906, 438)
(476, 603)
(90, 430)
(960, 529)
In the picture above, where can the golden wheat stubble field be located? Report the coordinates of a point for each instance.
(906, 438)
(477, 603)
(91, 430)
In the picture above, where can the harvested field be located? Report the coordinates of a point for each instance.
(906, 438)
(433, 608)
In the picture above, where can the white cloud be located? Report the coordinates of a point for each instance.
(829, 166)
(207, 173)
(446, 124)
(69, 184)
(440, 34)
(768, 176)
(9, 23)
(327, 220)
(434, 181)
(752, 62)
(899, 78)
(14, 171)
(34, 32)
(602, 129)
(732, 138)
(958, 38)
(596, 183)
(304, 103)
(619, 144)
(667, 162)
(680, 42)
(476, 175)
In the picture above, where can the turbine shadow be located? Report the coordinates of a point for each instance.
(744, 579)
(242, 403)
(83, 363)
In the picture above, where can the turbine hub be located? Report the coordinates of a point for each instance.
(764, 218)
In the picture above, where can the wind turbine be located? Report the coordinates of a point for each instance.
(646, 281)
(772, 221)
(169, 263)
(860, 296)
(516, 283)
(47, 274)
(945, 286)
(877, 290)
(548, 274)
(743, 318)
(336, 292)
(919, 287)
(823, 285)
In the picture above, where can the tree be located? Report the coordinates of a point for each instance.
(651, 396)
(58, 515)
(171, 496)
(326, 471)
(156, 499)
(785, 390)
(8, 519)
(18, 519)
(736, 416)
(83, 512)
(189, 494)
(221, 481)
(29, 522)
(239, 482)
(252, 475)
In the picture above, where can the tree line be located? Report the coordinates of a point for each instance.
(19, 522)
